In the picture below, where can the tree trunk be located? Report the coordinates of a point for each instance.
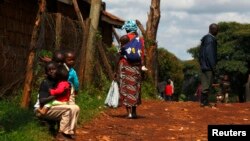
(82, 56)
(140, 26)
(58, 31)
(78, 12)
(90, 48)
(116, 35)
(29, 68)
(84, 42)
(98, 70)
(153, 19)
(151, 33)
(105, 60)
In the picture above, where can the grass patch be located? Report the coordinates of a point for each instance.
(148, 91)
(17, 124)
(90, 104)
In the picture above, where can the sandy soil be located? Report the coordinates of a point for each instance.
(162, 121)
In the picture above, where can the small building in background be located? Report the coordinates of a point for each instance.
(60, 29)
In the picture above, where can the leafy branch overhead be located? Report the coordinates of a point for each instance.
(233, 48)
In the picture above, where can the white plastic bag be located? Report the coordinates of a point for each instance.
(112, 99)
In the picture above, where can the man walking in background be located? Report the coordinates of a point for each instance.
(208, 61)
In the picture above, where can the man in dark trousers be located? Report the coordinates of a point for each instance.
(208, 61)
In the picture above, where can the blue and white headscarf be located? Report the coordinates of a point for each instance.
(130, 25)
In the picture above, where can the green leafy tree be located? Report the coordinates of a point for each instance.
(233, 54)
(170, 67)
(191, 78)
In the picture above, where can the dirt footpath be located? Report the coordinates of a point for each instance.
(162, 121)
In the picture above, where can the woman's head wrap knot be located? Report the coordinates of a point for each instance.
(130, 26)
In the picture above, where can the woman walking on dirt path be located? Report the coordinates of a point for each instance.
(129, 71)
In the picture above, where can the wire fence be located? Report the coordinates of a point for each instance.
(15, 37)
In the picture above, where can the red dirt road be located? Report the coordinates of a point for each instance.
(162, 121)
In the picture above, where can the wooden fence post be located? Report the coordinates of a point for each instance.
(29, 68)
(104, 59)
(116, 35)
(58, 31)
(84, 42)
(90, 48)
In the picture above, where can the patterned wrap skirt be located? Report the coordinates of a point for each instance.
(129, 84)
